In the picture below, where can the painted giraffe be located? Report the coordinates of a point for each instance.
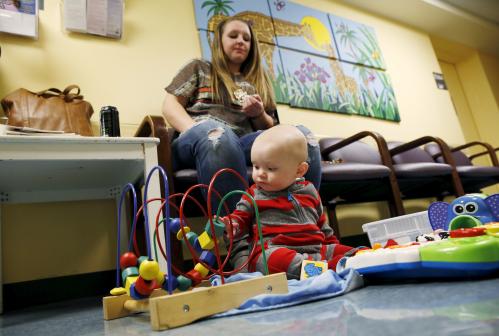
(347, 86)
(265, 28)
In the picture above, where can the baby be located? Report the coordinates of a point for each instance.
(290, 209)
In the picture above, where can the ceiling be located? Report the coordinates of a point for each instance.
(473, 23)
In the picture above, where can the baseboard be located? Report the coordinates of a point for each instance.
(37, 292)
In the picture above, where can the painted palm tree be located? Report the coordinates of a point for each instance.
(348, 37)
(218, 7)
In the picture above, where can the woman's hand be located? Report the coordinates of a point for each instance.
(253, 106)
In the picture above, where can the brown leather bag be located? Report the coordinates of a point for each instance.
(49, 110)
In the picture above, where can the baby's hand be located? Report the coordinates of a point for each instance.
(228, 226)
(253, 106)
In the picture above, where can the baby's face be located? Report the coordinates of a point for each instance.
(273, 171)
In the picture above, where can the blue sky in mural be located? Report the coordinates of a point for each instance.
(302, 28)
(356, 42)
(255, 11)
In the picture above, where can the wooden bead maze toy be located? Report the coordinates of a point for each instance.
(167, 295)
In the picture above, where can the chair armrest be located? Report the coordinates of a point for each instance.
(474, 156)
(444, 148)
(386, 160)
(378, 138)
(488, 150)
(444, 151)
(155, 126)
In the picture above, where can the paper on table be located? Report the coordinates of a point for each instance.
(16, 130)
(32, 130)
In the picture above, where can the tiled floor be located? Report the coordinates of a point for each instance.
(433, 308)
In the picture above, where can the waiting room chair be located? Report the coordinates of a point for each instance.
(418, 175)
(473, 177)
(484, 153)
(356, 172)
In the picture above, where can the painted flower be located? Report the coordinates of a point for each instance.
(311, 72)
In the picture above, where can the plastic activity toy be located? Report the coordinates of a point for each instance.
(469, 249)
(466, 211)
(144, 287)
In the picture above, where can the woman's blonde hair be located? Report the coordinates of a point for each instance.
(222, 82)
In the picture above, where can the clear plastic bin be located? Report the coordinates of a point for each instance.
(402, 229)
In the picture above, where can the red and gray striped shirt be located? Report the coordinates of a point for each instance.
(291, 218)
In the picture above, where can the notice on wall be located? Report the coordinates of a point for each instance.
(75, 15)
(98, 17)
(19, 17)
(439, 79)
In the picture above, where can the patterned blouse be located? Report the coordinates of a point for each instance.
(193, 81)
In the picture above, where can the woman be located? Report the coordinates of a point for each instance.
(219, 107)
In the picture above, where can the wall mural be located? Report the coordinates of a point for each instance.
(332, 64)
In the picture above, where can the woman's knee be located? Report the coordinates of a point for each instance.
(311, 139)
(216, 136)
(208, 128)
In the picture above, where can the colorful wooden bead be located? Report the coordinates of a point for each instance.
(141, 259)
(201, 269)
(205, 241)
(191, 237)
(160, 277)
(186, 229)
(197, 246)
(145, 287)
(116, 291)
(175, 283)
(128, 259)
(134, 294)
(208, 258)
(184, 283)
(219, 228)
(129, 271)
(129, 282)
(149, 269)
(195, 276)
(174, 225)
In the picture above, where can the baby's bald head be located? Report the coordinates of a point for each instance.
(285, 140)
(279, 157)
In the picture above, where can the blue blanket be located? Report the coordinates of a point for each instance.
(326, 285)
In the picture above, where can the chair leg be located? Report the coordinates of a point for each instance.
(333, 220)
(456, 183)
(395, 204)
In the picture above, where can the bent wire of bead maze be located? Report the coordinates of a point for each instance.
(146, 288)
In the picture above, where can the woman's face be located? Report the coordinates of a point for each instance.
(236, 43)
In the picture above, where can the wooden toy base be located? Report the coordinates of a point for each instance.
(170, 311)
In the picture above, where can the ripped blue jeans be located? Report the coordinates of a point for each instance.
(209, 146)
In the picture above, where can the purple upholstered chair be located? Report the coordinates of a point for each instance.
(356, 172)
(473, 177)
(418, 175)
